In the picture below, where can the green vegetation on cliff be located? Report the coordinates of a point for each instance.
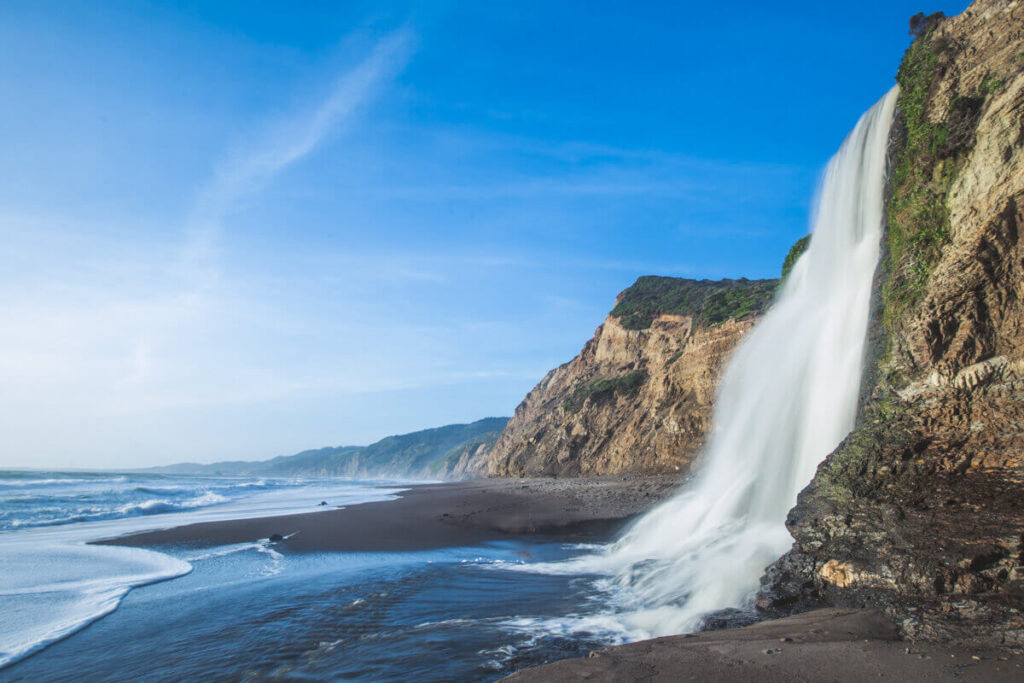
(605, 387)
(795, 252)
(918, 219)
(930, 151)
(710, 302)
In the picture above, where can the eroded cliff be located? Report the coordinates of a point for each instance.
(638, 397)
(920, 511)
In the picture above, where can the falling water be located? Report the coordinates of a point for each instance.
(788, 397)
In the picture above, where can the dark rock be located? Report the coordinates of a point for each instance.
(920, 511)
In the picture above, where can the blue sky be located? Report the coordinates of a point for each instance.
(242, 229)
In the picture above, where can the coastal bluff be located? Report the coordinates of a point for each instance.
(920, 511)
(638, 397)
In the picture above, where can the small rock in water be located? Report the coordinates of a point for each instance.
(274, 538)
(323, 502)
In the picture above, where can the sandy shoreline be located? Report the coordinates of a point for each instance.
(430, 516)
(835, 645)
(825, 645)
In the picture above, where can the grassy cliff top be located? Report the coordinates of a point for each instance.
(710, 302)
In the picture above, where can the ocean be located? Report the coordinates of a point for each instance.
(74, 611)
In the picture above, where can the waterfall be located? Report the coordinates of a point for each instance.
(787, 398)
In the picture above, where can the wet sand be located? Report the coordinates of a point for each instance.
(825, 645)
(431, 516)
(828, 645)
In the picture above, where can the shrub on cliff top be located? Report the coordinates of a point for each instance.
(921, 24)
(709, 301)
(795, 252)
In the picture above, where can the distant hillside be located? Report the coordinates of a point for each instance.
(428, 454)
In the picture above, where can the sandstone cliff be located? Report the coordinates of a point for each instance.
(638, 396)
(920, 511)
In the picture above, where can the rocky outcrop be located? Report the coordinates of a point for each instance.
(920, 511)
(638, 397)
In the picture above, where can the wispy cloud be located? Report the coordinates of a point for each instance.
(248, 170)
(99, 322)
(583, 168)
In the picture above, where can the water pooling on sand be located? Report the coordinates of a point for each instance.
(52, 583)
(788, 397)
(242, 614)
(249, 610)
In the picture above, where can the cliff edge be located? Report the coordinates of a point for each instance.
(920, 511)
(638, 397)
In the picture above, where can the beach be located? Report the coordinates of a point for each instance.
(432, 516)
(449, 581)
(833, 645)
(437, 582)
(843, 645)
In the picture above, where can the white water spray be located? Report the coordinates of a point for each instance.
(788, 397)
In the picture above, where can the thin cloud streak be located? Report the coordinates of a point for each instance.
(100, 321)
(246, 172)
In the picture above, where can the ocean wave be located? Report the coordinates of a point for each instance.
(221, 551)
(259, 483)
(157, 490)
(90, 582)
(265, 547)
(55, 584)
(155, 506)
(152, 506)
(19, 483)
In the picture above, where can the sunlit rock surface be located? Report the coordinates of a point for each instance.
(638, 397)
(920, 511)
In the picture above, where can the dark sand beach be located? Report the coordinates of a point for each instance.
(828, 645)
(430, 516)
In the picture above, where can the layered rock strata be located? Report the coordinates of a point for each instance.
(920, 511)
(638, 397)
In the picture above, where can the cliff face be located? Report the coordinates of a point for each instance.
(468, 460)
(920, 511)
(638, 396)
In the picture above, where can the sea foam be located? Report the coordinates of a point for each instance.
(54, 583)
